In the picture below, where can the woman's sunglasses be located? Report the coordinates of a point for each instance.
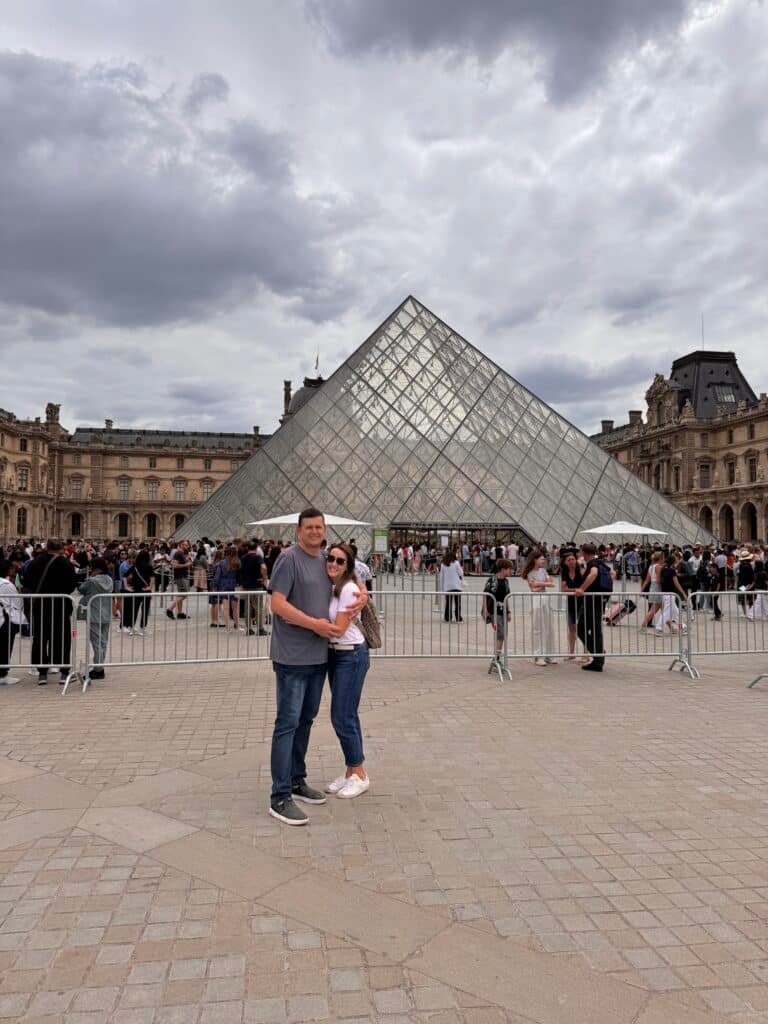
(337, 561)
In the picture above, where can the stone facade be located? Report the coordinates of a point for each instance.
(703, 443)
(107, 482)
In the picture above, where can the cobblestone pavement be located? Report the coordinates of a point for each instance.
(565, 848)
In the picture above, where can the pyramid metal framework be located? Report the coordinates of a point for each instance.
(418, 428)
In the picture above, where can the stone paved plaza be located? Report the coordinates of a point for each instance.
(564, 848)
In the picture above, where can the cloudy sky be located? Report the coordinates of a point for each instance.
(195, 198)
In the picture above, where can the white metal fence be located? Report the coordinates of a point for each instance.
(83, 641)
(38, 633)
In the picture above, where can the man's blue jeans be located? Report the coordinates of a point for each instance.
(299, 689)
(346, 675)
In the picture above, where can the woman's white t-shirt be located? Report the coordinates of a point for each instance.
(342, 603)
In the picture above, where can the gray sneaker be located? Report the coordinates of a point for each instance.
(301, 791)
(287, 812)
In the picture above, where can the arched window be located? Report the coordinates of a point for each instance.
(123, 525)
(748, 522)
(727, 531)
(705, 518)
(21, 520)
(151, 525)
(76, 525)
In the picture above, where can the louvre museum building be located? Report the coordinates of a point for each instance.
(419, 432)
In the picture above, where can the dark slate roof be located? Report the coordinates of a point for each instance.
(203, 440)
(711, 380)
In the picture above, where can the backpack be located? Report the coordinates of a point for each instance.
(604, 577)
(490, 590)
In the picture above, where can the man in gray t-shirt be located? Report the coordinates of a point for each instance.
(301, 594)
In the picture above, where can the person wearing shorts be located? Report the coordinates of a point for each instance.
(496, 591)
(181, 563)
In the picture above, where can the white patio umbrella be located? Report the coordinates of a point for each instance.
(292, 519)
(624, 529)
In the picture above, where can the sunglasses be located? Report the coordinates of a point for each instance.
(337, 561)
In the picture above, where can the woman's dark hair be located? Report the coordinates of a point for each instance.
(100, 564)
(448, 557)
(349, 574)
(669, 561)
(143, 559)
(233, 562)
(5, 568)
(533, 557)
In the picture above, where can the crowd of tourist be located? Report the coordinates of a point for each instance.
(132, 572)
(316, 599)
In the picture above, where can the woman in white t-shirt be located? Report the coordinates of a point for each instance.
(348, 663)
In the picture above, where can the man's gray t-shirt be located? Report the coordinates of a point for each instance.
(303, 581)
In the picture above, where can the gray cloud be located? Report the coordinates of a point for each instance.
(117, 210)
(160, 259)
(576, 40)
(207, 88)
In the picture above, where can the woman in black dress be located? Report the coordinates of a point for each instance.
(571, 579)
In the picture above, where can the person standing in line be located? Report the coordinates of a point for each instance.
(495, 611)
(181, 563)
(451, 582)
(589, 625)
(671, 590)
(362, 572)
(225, 580)
(139, 581)
(11, 620)
(652, 588)
(570, 580)
(253, 579)
(348, 663)
(512, 553)
(99, 584)
(300, 594)
(51, 573)
(535, 574)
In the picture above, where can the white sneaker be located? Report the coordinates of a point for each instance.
(336, 785)
(354, 786)
(125, 631)
(11, 681)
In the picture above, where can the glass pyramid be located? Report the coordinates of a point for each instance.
(419, 429)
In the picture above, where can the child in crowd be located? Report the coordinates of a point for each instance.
(99, 582)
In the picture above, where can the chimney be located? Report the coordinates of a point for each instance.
(286, 396)
(108, 424)
(635, 417)
(256, 430)
(606, 426)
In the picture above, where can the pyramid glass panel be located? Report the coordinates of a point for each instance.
(417, 427)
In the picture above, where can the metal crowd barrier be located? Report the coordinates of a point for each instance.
(192, 628)
(122, 630)
(551, 626)
(38, 633)
(730, 622)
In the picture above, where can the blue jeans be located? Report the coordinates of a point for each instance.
(346, 675)
(299, 689)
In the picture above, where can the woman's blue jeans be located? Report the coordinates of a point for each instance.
(346, 675)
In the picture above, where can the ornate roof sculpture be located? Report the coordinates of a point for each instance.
(418, 427)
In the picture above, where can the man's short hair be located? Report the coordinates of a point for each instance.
(589, 548)
(503, 563)
(100, 564)
(310, 513)
(54, 544)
